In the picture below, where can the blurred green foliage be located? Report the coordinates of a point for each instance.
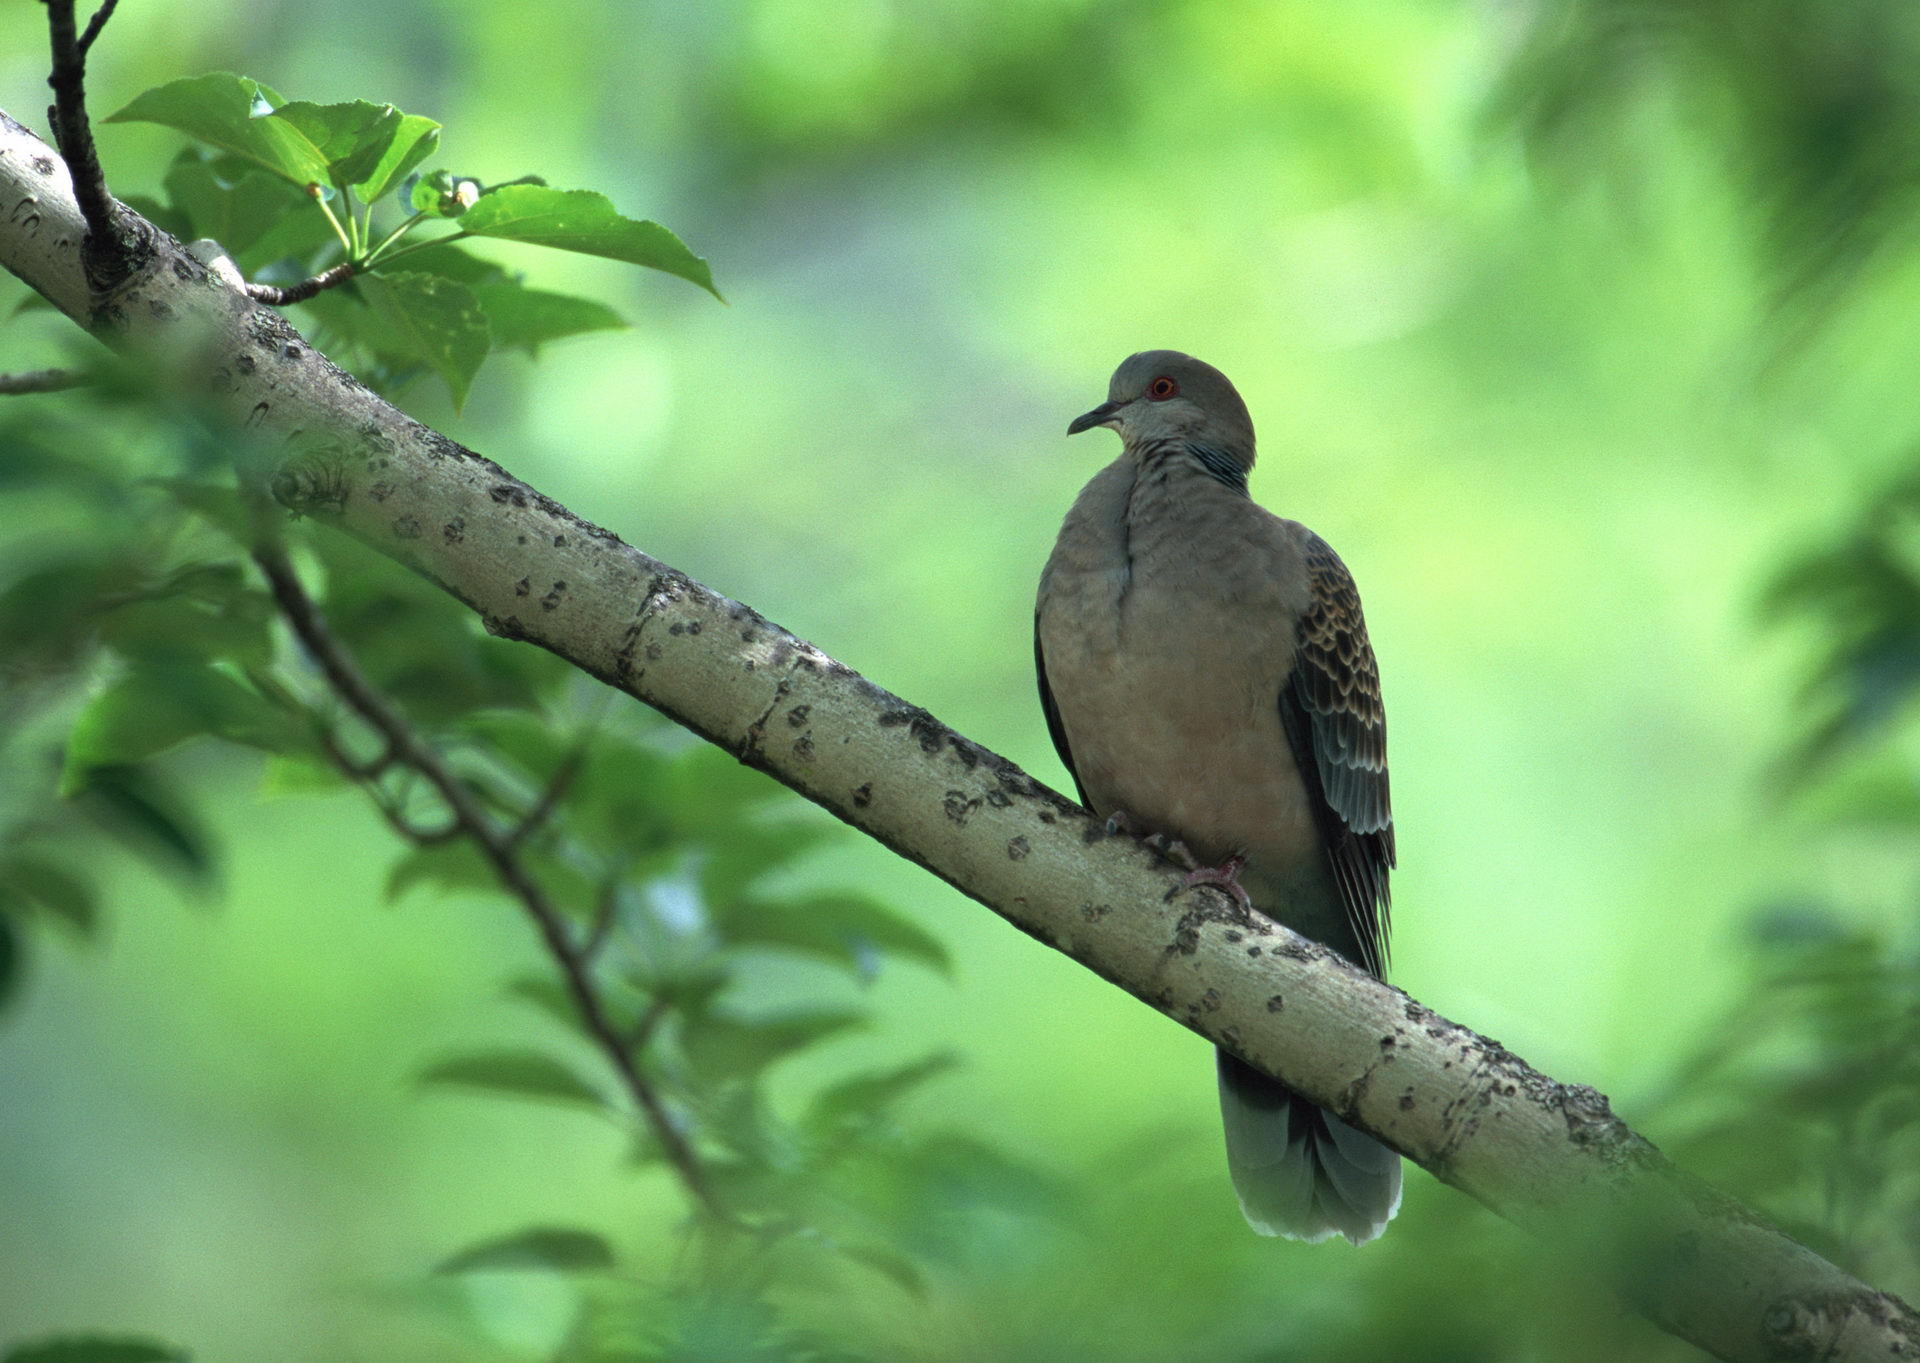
(1580, 327)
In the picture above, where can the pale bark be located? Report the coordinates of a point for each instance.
(1549, 1156)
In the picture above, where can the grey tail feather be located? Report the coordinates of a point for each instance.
(1299, 1170)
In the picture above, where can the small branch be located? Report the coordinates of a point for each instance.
(41, 381)
(107, 253)
(95, 24)
(602, 925)
(366, 771)
(550, 798)
(644, 1029)
(278, 297)
(303, 615)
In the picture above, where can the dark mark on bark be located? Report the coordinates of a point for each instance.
(1018, 848)
(455, 530)
(797, 716)
(959, 808)
(863, 795)
(524, 587)
(551, 601)
(406, 528)
(803, 748)
(1275, 1003)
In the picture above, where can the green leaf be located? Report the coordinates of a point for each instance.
(848, 929)
(47, 616)
(552, 1248)
(864, 1097)
(351, 138)
(156, 706)
(414, 140)
(136, 807)
(526, 319)
(241, 208)
(523, 1074)
(202, 612)
(896, 1267)
(733, 1048)
(584, 221)
(233, 113)
(437, 319)
(52, 889)
(451, 867)
(547, 996)
(216, 503)
(94, 1350)
(453, 263)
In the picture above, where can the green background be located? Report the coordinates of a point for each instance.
(1537, 354)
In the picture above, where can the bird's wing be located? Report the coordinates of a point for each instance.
(1055, 728)
(1331, 710)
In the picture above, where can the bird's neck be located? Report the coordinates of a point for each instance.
(1177, 459)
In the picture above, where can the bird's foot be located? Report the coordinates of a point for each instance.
(1225, 876)
(1172, 849)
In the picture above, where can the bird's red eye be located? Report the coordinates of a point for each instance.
(1162, 388)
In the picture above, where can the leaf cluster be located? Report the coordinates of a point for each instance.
(289, 189)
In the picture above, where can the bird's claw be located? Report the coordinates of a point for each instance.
(1172, 849)
(1225, 876)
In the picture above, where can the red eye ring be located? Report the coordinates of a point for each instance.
(1161, 389)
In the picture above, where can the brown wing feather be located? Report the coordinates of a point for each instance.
(1333, 715)
(1055, 728)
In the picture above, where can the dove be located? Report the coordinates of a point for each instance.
(1207, 679)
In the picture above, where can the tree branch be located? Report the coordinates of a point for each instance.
(469, 820)
(307, 288)
(1549, 1156)
(108, 251)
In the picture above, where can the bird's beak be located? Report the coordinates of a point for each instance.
(1100, 416)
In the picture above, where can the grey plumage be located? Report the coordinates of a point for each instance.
(1205, 671)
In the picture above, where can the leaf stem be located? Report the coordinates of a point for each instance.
(318, 195)
(405, 227)
(406, 251)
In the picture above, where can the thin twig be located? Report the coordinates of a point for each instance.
(41, 381)
(602, 925)
(366, 771)
(303, 615)
(643, 1030)
(556, 791)
(74, 134)
(280, 297)
(95, 24)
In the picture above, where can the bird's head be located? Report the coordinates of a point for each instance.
(1163, 394)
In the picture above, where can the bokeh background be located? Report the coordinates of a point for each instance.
(1577, 326)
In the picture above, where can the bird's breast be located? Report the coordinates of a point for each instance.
(1166, 658)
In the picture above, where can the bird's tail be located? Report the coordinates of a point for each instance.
(1300, 1171)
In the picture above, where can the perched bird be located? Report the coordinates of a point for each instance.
(1207, 679)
